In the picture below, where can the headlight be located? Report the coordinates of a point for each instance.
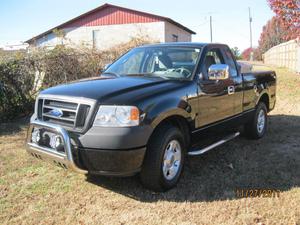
(117, 116)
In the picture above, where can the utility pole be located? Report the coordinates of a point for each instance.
(250, 24)
(210, 23)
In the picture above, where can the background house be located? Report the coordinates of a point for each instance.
(14, 46)
(109, 25)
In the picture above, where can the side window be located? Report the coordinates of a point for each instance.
(213, 56)
(230, 62)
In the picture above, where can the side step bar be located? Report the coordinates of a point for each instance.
(210, 147)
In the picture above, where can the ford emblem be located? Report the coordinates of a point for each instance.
(56, 112)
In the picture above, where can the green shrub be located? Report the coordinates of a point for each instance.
(15, 86)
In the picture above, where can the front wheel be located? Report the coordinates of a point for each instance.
(164, 159)
(257, 127)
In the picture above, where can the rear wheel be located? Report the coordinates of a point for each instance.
(257, 127)
(164, 159)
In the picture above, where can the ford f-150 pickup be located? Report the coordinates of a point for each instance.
(148, 110)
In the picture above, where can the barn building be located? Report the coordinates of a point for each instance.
(109, 25)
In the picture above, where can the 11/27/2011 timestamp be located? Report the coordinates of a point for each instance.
(254, 193)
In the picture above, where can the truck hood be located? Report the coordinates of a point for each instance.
(103, 89)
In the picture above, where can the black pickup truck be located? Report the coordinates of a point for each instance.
(148, 110)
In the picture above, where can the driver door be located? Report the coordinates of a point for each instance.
(215, 103)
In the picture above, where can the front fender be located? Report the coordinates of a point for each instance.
(170, 107)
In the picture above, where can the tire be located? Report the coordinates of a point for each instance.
(257, 126)
(162, 166)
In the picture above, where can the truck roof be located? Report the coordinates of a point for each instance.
(184, 44)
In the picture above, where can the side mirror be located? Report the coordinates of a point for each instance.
(106, 66)
(218, 72)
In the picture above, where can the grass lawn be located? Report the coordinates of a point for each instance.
(33, 192)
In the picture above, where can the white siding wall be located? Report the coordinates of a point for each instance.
(171, 29)
(49, 40)
(110, 34)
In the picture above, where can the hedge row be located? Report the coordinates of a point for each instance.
(24, 74)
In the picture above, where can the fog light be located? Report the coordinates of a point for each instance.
(56, 143)
(36, 136)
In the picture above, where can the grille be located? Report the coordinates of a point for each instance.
(69, 114)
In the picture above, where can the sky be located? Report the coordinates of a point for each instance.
(22, 19)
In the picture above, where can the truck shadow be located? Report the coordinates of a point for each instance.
(269, 163)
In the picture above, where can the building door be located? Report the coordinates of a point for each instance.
(97, 39)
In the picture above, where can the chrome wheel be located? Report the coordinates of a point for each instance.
(261, 120)
(172, 160)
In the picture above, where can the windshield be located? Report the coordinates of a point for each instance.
(166, 62)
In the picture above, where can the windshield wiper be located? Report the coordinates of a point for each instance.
(111, 73)
(146, 75)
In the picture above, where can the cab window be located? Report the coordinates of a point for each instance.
(230, 62)
(213, 56)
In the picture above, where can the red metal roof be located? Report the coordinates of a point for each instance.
(112, 15)
(108, 14)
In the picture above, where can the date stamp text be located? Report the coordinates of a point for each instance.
(257, 193)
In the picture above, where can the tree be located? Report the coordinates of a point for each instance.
(236, 52)
(274, 32)
(60, 34)
(289, 12)
(246, 53)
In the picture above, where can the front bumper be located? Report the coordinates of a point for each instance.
(62, 159)
(83, 159)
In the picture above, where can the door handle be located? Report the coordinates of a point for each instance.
(231, 90)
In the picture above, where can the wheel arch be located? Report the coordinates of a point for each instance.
(178, 121)
(265, 99)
